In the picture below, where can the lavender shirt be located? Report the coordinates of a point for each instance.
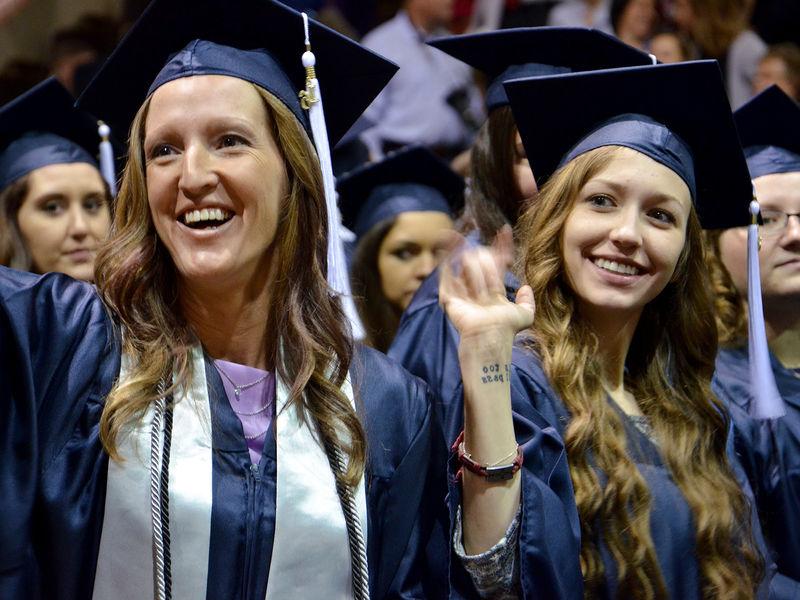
(254, 406)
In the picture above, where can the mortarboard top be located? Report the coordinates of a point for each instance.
(537, 51)
(411, 179)
(261, 41)
(40, 128)
(677, 114)
(769, 128)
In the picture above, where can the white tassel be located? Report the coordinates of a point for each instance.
(107, 158)
(767, 402)
(338, 276)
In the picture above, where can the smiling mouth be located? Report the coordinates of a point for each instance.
(615, 267)
(206, 218)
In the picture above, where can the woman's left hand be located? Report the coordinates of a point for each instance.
(473, 294)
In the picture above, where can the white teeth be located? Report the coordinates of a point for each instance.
(615, 267)
(206, 214)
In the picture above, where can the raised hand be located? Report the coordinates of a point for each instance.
(472, 293)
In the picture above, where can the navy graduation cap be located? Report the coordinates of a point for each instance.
(537, 51)
(769, 128)
(41, 128)
(676, 114)
(263, 42)
(412, 179)
(260, 41)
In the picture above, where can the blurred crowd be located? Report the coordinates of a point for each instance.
(756, 41)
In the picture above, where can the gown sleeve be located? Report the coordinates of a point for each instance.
(52, 331)
(549, 528)
(768, 453)
(426, 344)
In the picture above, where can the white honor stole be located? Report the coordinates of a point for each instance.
(310, 555)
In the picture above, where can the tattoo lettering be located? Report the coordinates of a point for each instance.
(494, 373)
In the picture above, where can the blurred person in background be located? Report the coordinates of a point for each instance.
(582, 13)
(769, 130)
(721, 29)
(634, 21)
(433, 99)
(400, 210)
(780, 66)
(669, 46)
(54, 204)
(82, 46)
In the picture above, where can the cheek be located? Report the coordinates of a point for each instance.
(526, 184)
(101, 223)
(733, 252)
(393, 274)
(42, 234)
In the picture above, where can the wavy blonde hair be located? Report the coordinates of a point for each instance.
(730, 307)
(669, 369)
(136, 277)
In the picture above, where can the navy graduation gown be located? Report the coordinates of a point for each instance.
(550, 527)
(60, 357)
(770, 454)
(426, 344)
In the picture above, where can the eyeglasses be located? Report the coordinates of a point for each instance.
(774, 222)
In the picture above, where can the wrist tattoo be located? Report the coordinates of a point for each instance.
(494, 373)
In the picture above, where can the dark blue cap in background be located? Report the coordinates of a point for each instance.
(411, 179)
(769, 128)
(260, 41)
(41, 128)
(676, 114)
(509, 54)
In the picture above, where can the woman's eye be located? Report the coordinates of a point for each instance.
(161, 150)
(662, 215)
(52, 207)
(601, 201)
(403, 253)
(93, 205)
(231, 141)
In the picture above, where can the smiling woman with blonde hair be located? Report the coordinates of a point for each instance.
(202, 424)
(615, 366)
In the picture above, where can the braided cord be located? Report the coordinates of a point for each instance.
(164, 500)
(159, 494)
(355, 535)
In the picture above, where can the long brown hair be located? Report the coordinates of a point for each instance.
(669, 369)
(310, 347)
(379, 316)
(730, 307)
(494, 198)
(13, 251)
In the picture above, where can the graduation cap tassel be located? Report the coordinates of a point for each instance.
(338, 277)
(107, 158)
(767, 402)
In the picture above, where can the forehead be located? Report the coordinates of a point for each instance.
(637, 172)
(64, 177)
(779, 191)
(419, 225)
(189, 99)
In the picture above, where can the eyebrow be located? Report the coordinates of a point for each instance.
(619, 188)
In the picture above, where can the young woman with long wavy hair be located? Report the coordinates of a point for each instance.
(501, 182)
(616, 363)
(202, 424)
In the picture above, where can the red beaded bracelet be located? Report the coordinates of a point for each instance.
(490, 472)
